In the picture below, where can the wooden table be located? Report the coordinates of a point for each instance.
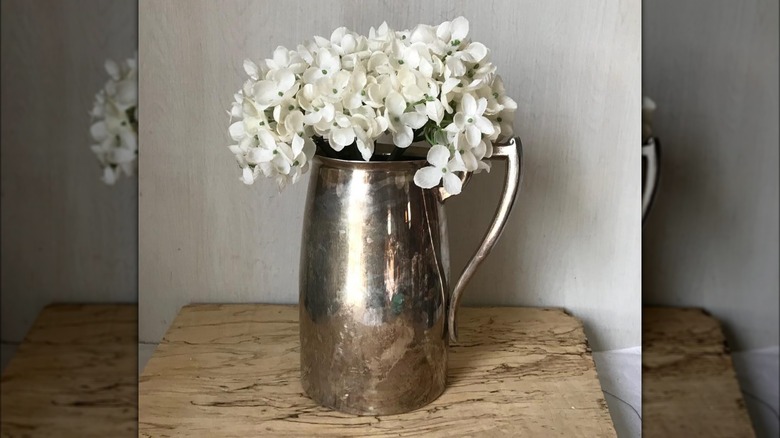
(689, 388)
(75, 375)
(233, 371)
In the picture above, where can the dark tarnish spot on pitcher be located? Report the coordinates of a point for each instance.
(397, 303)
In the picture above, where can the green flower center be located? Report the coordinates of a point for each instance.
(443, 170)
(280, 94)
(470, 120)
(324, 71)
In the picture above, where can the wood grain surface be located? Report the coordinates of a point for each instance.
(74, 375)
(688, 381)
(233, 371)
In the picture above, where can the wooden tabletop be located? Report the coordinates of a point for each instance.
(689, 387)
(233, 371)
(74, 375)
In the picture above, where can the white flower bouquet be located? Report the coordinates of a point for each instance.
(337, 97)
(115, 121)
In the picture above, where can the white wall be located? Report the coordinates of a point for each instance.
(573, 240)
(66, 236)
(711, 239)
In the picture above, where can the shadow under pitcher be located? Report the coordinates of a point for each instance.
(376, 312)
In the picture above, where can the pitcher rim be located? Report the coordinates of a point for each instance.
(407, 164)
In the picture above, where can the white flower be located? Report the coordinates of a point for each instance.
(326, 64)
(348, 90)
(285, 59)
(441, 168)
(471, 157)
(279, 85)
(402, 123)
(470, 119)
(115, 121)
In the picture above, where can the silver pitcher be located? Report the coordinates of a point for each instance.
(376, 311)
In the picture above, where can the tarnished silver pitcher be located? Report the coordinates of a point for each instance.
(376, 311)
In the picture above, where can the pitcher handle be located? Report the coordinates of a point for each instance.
(512, 152)
(651, 151)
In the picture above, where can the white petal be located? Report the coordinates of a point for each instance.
(475, 52)
(449, 85)
(428, 177)
(259, 155)
(99, 131)
(246, 176)
(236, 130)
(473, 136)
(265, 92)
(414, 120)
(366, 149)
(281, 56)
(395, 103)
(113, 70)
(285, 79)
(342, 137)
(439, 156)
(281, 164)
(297, 145)
(109, 175)
(266, 139)
(122, 155)
(484, 125)
(435, 111)
(481, 105)
(452, 184)
(460, 28)
(403, 138)
(469, 105)
(459, 121)
(469, 161)
(312, 118)
(251, 69)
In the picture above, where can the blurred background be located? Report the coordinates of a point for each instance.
(68, 289)
(67, 236)
(711, 237)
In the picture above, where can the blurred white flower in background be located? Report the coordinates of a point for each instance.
(115, 121)
(337, 96)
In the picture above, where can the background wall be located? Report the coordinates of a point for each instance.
(573, 240)
(67, 237)
(711, 239)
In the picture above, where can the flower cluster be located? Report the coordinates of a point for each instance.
(115, 121)
(337, 96)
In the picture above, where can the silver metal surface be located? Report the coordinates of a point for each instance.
(374, 284)
(650, 156)
(513, 154)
